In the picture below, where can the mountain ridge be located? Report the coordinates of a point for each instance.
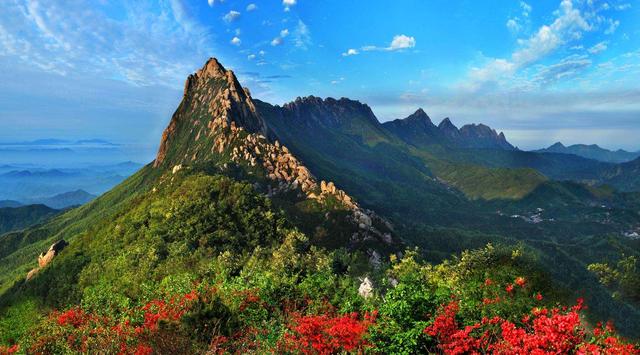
(418, 129)
(592, 151)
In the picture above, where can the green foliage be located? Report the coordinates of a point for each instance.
(622, 277)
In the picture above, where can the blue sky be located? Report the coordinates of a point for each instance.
(540, 71)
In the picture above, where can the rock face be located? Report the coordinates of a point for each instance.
(366, 288)
(212, 98)
(46, 257)
(417, 129)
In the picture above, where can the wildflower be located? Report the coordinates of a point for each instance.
(509, 288)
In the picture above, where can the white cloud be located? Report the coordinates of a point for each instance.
(301, 35)
(513, 25)
(622, 7)
(252, 7)
(262, 53)
(398, 42)
(350, 52)
(236, 41)
(138, 46)
(276, 41)
(231, 16)
(568, 25)
(284, 33)
(526, 8)
(288, 3)
(211, 2)
(599, 47)
(402, 42)
(251, 56)
(568, 67)
(613, 26)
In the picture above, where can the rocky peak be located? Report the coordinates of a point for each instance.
(330, 112)
(420, 116)
(448, 129)
(213, 101)
(483, 136)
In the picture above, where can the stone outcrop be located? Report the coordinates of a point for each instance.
(46, 257)
(366, 288)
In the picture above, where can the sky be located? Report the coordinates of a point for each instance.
(543, 71)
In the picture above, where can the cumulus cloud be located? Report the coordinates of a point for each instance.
(252, 7)
(402, 42)
(284, 33)
(231, 16)
(251, 57)
(236, 41)
(399, 42)
(288, 3)
(211, 2)
(350, 52)
(277, 41)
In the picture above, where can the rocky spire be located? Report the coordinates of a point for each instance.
(213, 98)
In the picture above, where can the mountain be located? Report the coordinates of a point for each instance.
(625, 176)
(65, 200)
(9, 203)
(217, 123)
(417, 129)
(94, 142)
(258, 228)
(592, 151)
(13, 218)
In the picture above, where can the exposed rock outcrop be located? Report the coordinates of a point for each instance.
(366, 288)
(46, 257)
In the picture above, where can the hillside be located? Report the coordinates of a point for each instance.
(13, 218)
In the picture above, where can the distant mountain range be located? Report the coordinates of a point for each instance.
(592, 151)
(418, 129)
(64, 200)
(58, 142)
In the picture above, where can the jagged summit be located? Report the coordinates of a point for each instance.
(420, 116)
(330, 112)
(213, 99)
(447, 124)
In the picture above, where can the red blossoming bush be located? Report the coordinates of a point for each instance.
(323, 334)
(544, 331)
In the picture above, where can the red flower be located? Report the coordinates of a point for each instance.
(538, 296)
(520, 281)
(323, 334)
(509, 288)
